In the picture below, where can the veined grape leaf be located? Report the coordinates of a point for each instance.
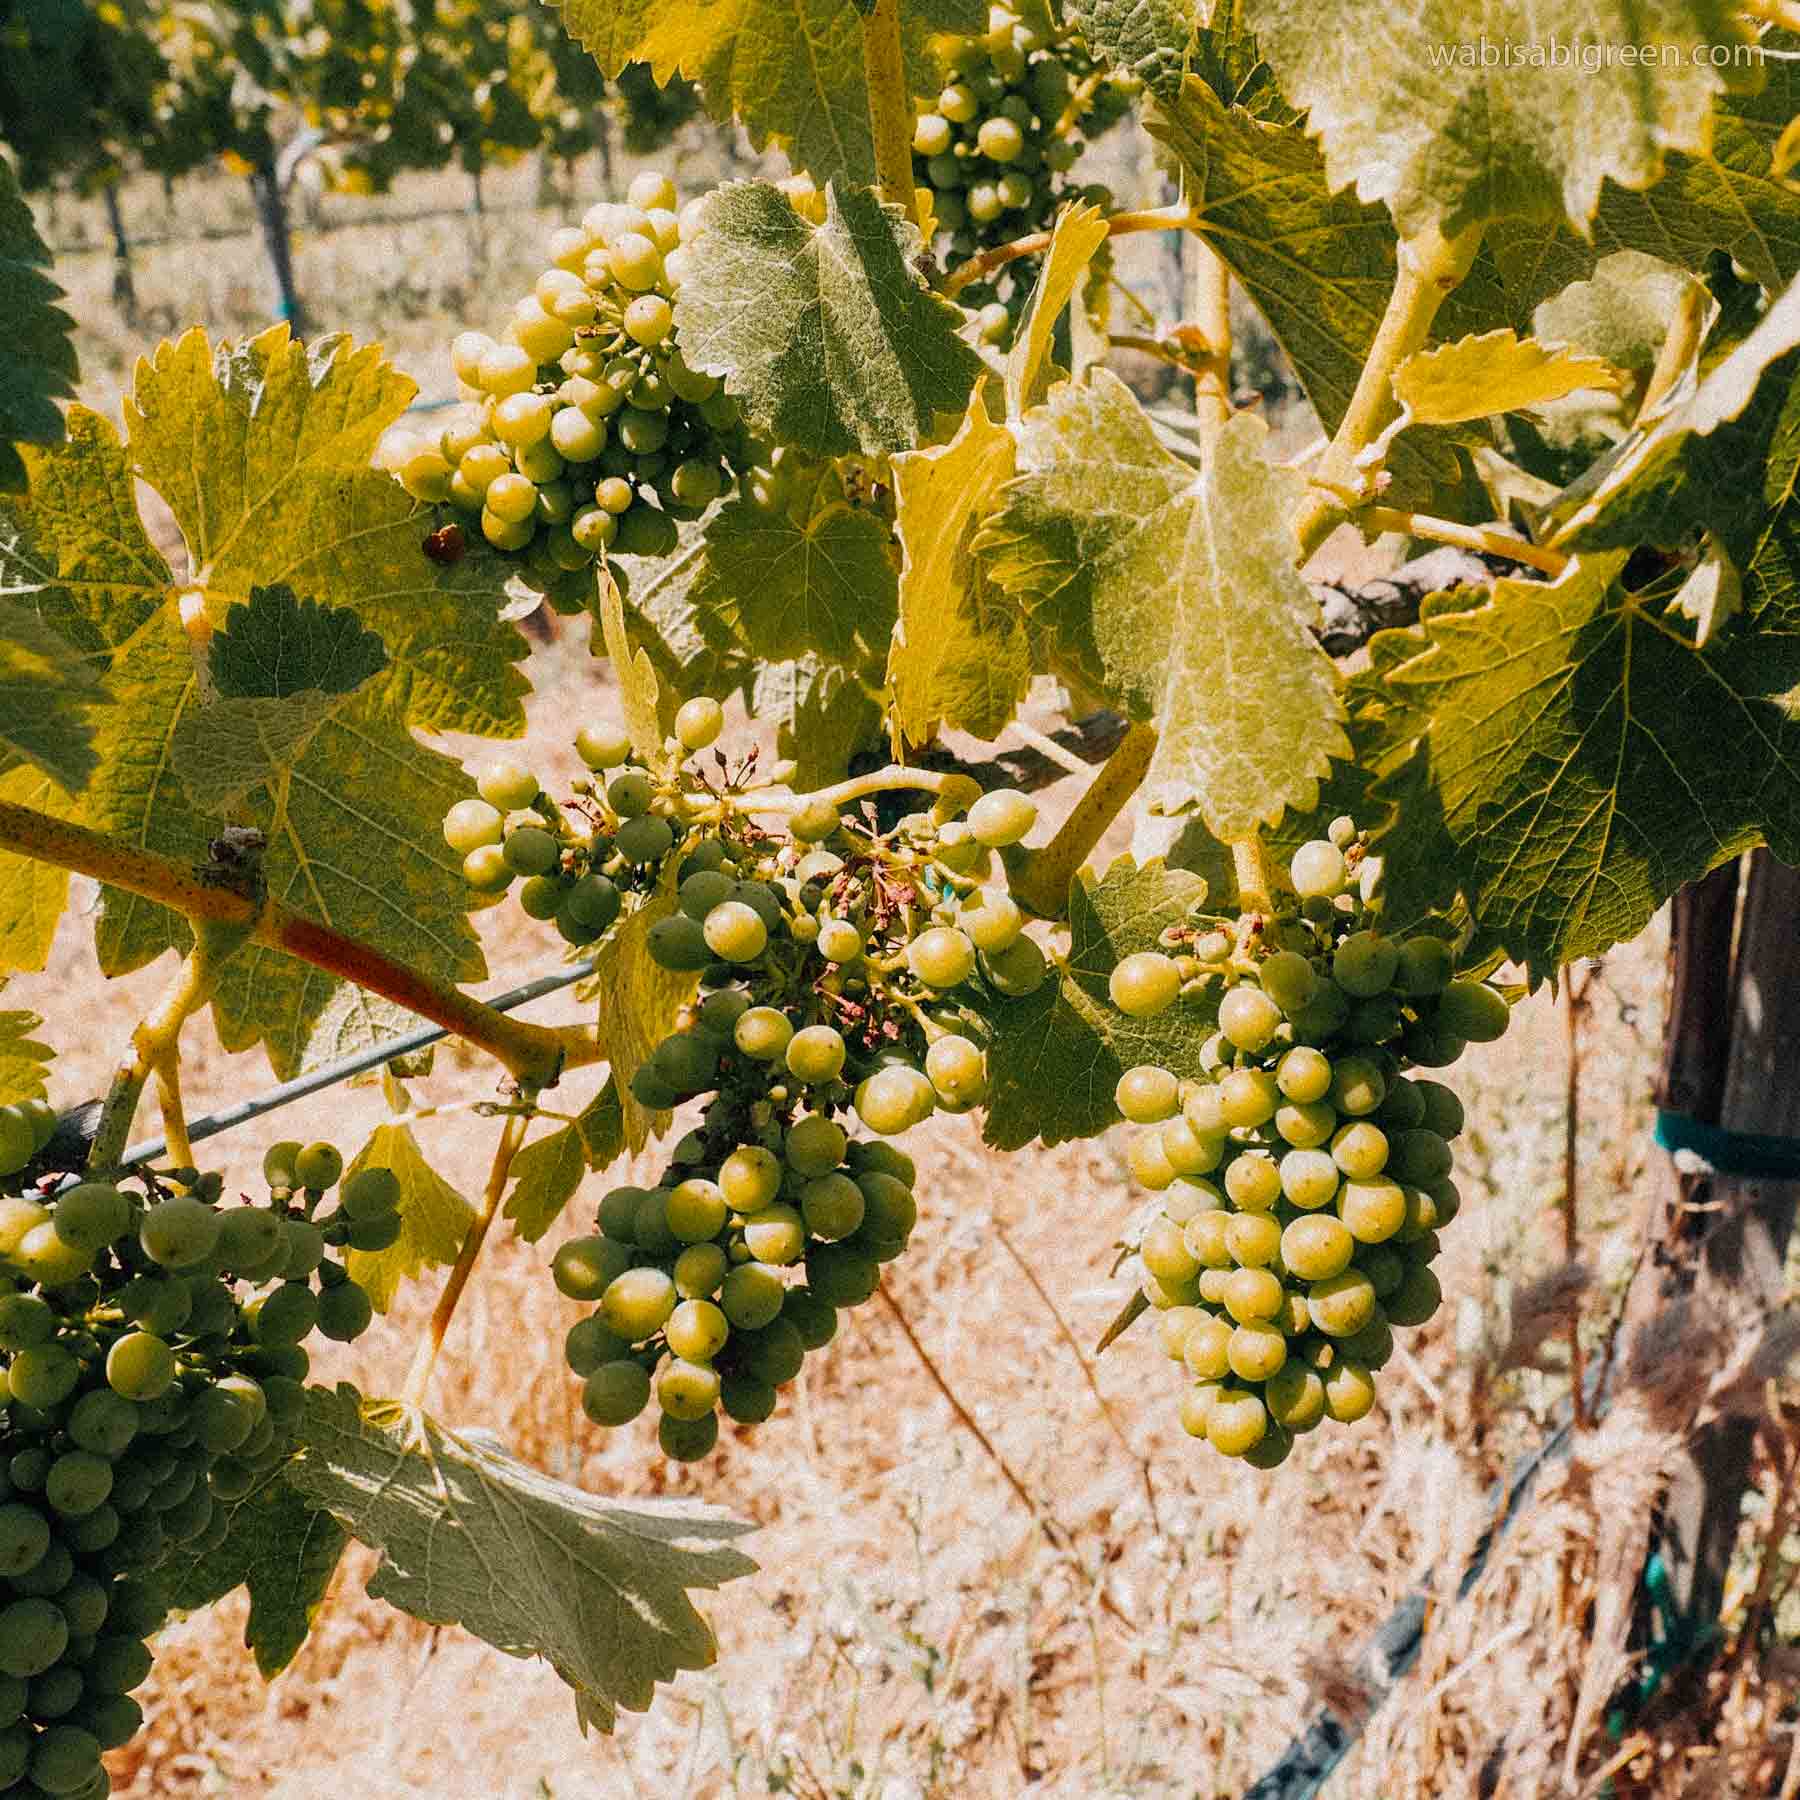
(434, 1217)
(792, 70)
(1056, 1056)
(32, 893)
(1153, 40)
(24, 1062)
(262, 450)
(823, 714)
(691, 652)
(783, 589)
(960, 654)
(1445, 137)
(822, 332)
(224, 749)
(1498, 372)
(548, 1170)
(639, 999)
(1078, 233)
(601, 1124)
(279, 1547)
(40, 366)
(639, 690)
(47, 694)
(1571, 754)
(1179, 590)
(470, 1536)
(1620, 313)
(278, 645)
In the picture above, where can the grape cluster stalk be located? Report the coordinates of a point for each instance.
(1304, 1173)
(835, 963)
(153, 1343)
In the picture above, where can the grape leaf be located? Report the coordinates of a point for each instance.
(40, 366)
(1620, 313)
(47, 693)
(792, 70)
(783, 589)
(549, 1170)
(470, 1536)
(283, 1550)
(639, 1000)
(639, 691)
(32, 893)
(823, 714)
(1153, 40)
(1056, 1056)
(1078, 233)
(691, 652)
(24, 1062)
(601, 1124)
(960, 655)
(822, 332)
(1498, 372)
(1570, 754)
(278, 645)
(1179, 592)
(434, 1217)
(1443, 138)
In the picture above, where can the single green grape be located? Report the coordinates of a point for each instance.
(1249, 1097)
(1309, 1178)
(507, 786)
(345, 1312)
(1002, 817)
(1252, 1294)
(179, 1231)
(814, 1145)
(1358, 1086)
(140, 1366)
(1442, 1111)
(750, 1178)
(1360, 1150)
(471, 824)
(687, 1390)
(1018, 970)
(1318, 870)
(993, 925)
(696, 1330)
(942, 957)
(815, 1055)
(319, 1166)
(735, 932)
(616, 1392)
(699, 721)
(1253, 1238)
(1144, 984)
(91, 1215)
(1288, 979)
(603, 747)
(1364, 964)
(1248, 1017)
(636, 1303)
(957, 1071)
(776, 1234)
(643, 840)
(1147, 1095)
(1349, 1392)
(1253, 1181)
(1236, 1422)
(1305, 1127)
(751, 1295)
(841, 942)
(696, 1210)
(1473, 1011)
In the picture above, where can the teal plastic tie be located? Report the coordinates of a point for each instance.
(1751, 1154)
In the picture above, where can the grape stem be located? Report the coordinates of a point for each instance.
(1481, 538)
(1042, 883)
(1258, 879)
(512, 1138)
(953, 788)
(890, 105)
(1679, 347)
(1209, 303)
(1155, 218)
(1431, 266)
(205, 896)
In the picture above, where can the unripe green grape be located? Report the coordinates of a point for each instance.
(1305, 1127)
(745, 1399)
(648, 320)
(1144, 984)
(592, 902)
(815, 1055)
(602, 747)
(643, 840)
(1248, 1017)
(932, 135)
(467, 349)
(942, 957)
(1426, 965)
(1018, 970)
(616, 1392)
(1174, 1327)
(1360, 1150)
(1373, 1346)
(1309, 1178)
(1358, 1086)
(812, 1318)
(532, 851)
(520, 420)
(1323, 1016)
(630, 793)
(1473, 1011)
(318, 1166)
(1442, 1111)
(1349, 1392)
(1341, 1304)
(1186, 1151)
(179, 1231)
(775, 1235)
(698, 723)
(584, 1268)
(994, 924)
(140, 1366)
(487, 871)
(1165, 1253)
(1419, 1156)
(540, 465)
(984, 202)
(1363, 965)
(750, 1178)
(425, 475)
(1249, 1097)
(1253, 1238)
(696, 1210)
(505, 369)
(1317, 1247)
(687, 1440)
(1252, 1294)
(1147, 1095)
(841, 1275)
(1236, 1422)
(735, 932)
(1000, 139)
(751, 1296)
(1318, 870)
(643, 433)
(699, 1270)
(249, 1238)
(50, 1261)
(650, 1225)
(697, 1330)
(345, 1312)
(636, 1303)
(957, 1070)
(687, 1390)
(701, 891)
(577, 436)
(1256, 1351)
(958, 103)
(1253, 1180)
(814, 1145)
(1015, 189)
(472, 825)
(91, 1215)
(33, 1636)
(1402, 1107)
(1288, 979)
(889, 1210)
(1446, 1197)
(1002, 817)
(832, 1206)
(1373, 1210)
(1295, 1397)
(1417, 1298)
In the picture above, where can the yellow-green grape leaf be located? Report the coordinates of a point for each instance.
(434, 1217)
(1620, 313)
(262, 451)
(639, 690)
(823, 715)
(471, 1536)
(691, 652)
(32, 893)
(24, 1062)
(601, 1124)
(1498, 372)
(47, 694)
(1438, 129)
(791, 70)
(638, 999)
(283, 1550)
(1712, 593)
(782, 588)
(1571, 754)
(823, 333)
(1079, 231)
(40, 366)
(960, 655)
(1178, 589)
(1055, 1057)
(1153, 40)
(546, 1174)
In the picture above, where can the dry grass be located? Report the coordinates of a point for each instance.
(1167, 1621)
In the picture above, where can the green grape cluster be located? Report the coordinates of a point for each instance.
(585, 431)
(997, 145)
(1304, 1174)
(153, 1370)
